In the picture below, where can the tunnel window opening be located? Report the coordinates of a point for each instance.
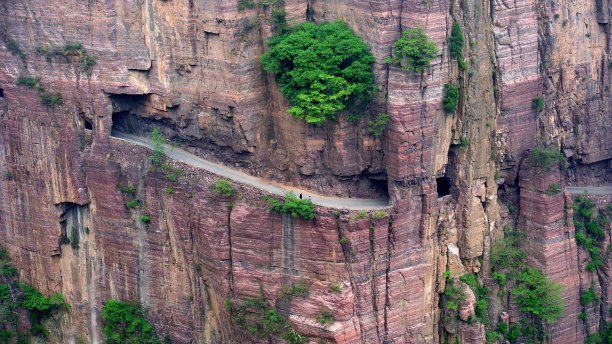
(380, 187)
(1, 93)
(88, 125)
(443, 186)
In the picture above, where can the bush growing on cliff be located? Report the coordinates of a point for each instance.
(158, 141)
(326, 316)
(588, 296)
(538, 103)
(378, 125)
(545, 158)
(588, 229)
(13, 47)
(51, 99)
(539, 296)
(554, 188)
(126, 323)
(322, 69)
(455, 41)
(256, 316)
(223, 187)
(451, 98)
(74, 238)
(414, 49)
(292, 206)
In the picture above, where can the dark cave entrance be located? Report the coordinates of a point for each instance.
(443, 186)
(125, 122)
(380, 187)
(88, 125)
(1, 93)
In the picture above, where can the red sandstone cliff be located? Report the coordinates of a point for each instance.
(192, 68)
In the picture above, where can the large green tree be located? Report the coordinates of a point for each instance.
(322, 69)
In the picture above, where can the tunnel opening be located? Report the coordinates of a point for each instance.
(88, 124)
(380, 187)
(1, 93)
(443, 186)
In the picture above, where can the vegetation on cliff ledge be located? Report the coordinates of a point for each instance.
(126, 323)
(413, 50)
(545, 158)
(19, 298)
(292, 206)
(322, 69)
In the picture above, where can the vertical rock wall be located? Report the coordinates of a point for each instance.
(192, 68)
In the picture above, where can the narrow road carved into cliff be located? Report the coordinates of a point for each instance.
(591, 190)
(260, 183)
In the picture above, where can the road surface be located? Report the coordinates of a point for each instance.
(260, 183)
(592, 190)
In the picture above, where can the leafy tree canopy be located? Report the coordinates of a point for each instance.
(322, 69)
(537, 294)
(415, 47)
(125, 323)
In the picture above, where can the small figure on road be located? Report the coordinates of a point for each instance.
(300, 195)
(310, 198)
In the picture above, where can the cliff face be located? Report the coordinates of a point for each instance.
(191, 68)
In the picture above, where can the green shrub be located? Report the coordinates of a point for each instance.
(463, 66)
(126, 323)
(554, 189)
(50, 99)
(168, 191)
(539, 296)
(480, 309)
(243, 4)
(145, 219)
(292, 206)
(507, 254)
(464, 142)
(415, 48)
(545, 158)
(362, 215)
(171, 177)
(538, 103)
(322, 69)
(158, 141)
(28, 81)
(256, 316)
(64, 240)
(515, 332)
(128, 189)
(451, 98)
(499, 278)
(470, 280)
(582, 316)
(223, 187)
(326, 317)
(335, 288)
(293, 337)
(278, 20)
(378, 125)
(344, 240)
(299, 289)
(455, 41)
(502, 327)
(133, 203)
(381, 214)
(588, 297)
(13, 47)
(492, 336)
(74, 238)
